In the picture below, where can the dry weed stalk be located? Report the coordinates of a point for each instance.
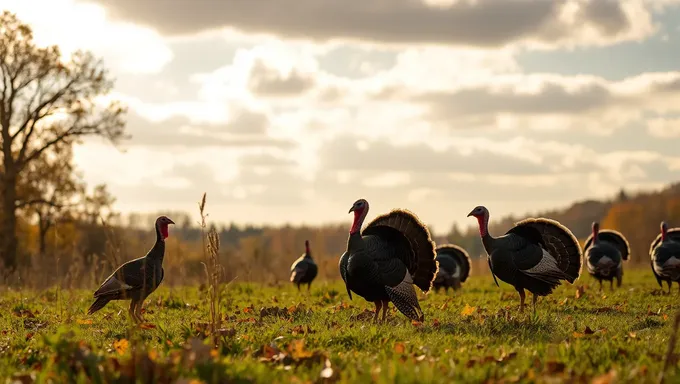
(213, 271)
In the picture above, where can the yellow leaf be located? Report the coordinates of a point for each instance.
(86, 321)
(468, 310)
(121, 346)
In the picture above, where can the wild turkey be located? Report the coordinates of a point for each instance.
(454, 267)
(664, 253)
(304, 269)
(534, 255)
(604, 252)
(136, 279)
(383, 262)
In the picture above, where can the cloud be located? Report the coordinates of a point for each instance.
(248, 129)
(487, 23)
(665, 128)
(125, 47)
(265, 81)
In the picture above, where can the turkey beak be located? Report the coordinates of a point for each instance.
(170, 221)
(351, 210)
(470, 214)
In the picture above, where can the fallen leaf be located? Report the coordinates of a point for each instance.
(399, 348)
(588, 331)
(553, 367)
(468, 310)
(147, 326)
(580, 291)
(84, 322)
(121, 346)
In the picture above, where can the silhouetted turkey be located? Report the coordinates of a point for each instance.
(304, 269)
(136, 279)
(604, 252)
(664, 253)
(454, 267)
(534, 255)
(383, 262)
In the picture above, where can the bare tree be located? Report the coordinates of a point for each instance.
(45, 100)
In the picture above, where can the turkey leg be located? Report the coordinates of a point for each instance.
(533, 301)
(131, 311)
(600, 284)
(138, 311)
(670, 283)
(386, 305)
(378, 305)
(611, 285)
(522, 296)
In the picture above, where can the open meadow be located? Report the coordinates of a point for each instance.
(275, 334)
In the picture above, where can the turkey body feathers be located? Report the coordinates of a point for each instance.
(557, 240)
(421, 262)
(452, 252)
(615, 238)
(303, 270)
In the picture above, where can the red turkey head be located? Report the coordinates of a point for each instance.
(596, 229)
(482, 215)
(162, 223)
(306, 246)
(360, 209)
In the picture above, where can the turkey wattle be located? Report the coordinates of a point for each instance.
(304, 269)
(454, 267)
(664, 253)
(382, 263)
(136, 279)
(534, 255)
(604, 252)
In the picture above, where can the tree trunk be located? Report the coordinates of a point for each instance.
(9, 223)
(43, 227)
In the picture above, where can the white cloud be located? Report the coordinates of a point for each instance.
(126, 47)
(666, 128)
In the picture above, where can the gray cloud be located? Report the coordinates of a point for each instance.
(486, 23)
(343, 154)
(248, 129)
(267, 81)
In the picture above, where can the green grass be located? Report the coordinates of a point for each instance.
(624, 333)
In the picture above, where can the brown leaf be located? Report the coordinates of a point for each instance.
(553, 367)
(399, 348)
(84, 322)
(416, 324)
(588, 331)
(147, 326)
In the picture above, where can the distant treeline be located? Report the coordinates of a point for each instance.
(79, 254)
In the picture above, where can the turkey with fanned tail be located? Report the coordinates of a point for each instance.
(304, 269)
(534, 255)
(454, 267)
(604, 252)
(664, 255)
(382, 263)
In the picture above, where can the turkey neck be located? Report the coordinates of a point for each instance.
(158, 250)
(487, 240)
(595, 235)
(355, 240)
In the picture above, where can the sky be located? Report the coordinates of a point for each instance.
(290, 110)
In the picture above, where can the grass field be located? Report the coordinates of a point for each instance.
(473, 335)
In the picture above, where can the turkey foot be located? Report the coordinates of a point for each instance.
(132, 311)
(378, 305)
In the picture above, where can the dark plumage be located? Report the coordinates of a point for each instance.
(136, 279)
(382, 264)
(304, 269)
(454, 267)
(534, 255)
(604, 252)
(664, 255)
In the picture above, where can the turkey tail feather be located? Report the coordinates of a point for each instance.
(460, 255)
(613, 237)
(558, 241)
(423, 265)
(98, 304)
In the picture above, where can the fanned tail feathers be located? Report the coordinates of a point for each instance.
(558, 241)
(613, 237)
(98, 304)
(461, 256)
(423, 267)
